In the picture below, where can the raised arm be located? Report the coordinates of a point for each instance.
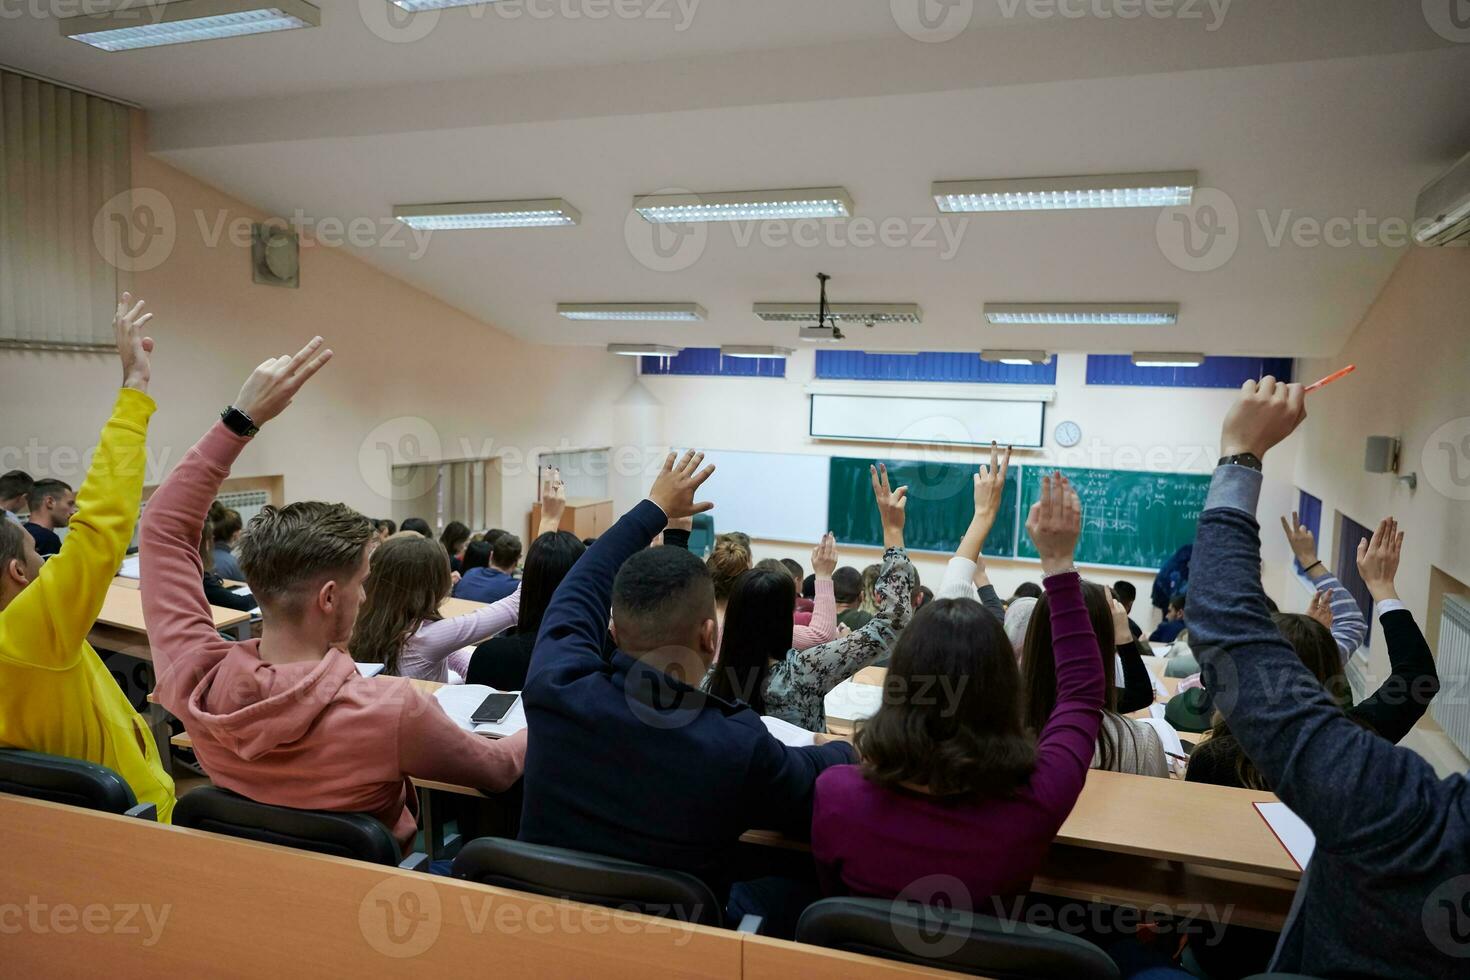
(1285, 721)
(1402, 699)
(51, 616)
(181, 629)
(576, 621)
(965, 576)
(823, 626)
(435, 641)
(1348, 627)
(1065, 744)
(553, 501)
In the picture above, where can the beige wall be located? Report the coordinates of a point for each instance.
(400, 355)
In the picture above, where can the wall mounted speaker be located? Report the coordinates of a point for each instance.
(275, 256)
(1382, 455)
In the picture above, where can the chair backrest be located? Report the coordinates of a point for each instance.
(963, 942)
(702, 535)
(589, 878)
(58, 779)
(350, 835)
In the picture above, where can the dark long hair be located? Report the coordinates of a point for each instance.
(1039, 668)
(454, 537)
(757, 631)
(552, 555)
(407, 580)
(1317, 649)
(950, 721)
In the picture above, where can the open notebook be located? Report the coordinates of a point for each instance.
(851, 701)
(459, 701)
(787, 733)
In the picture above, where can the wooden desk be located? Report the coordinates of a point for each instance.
(122, 619)
(586, 517)
(452, 607)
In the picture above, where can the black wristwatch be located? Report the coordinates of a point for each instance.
(1250, 460)
(238, 422)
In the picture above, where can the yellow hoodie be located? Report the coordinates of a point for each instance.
(55, 694)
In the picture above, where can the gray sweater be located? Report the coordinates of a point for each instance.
(1387, 893)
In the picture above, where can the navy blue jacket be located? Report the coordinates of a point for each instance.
(485, 585)
(1387, 892)
(627, 762)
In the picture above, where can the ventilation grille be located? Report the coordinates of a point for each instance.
(1451, 708)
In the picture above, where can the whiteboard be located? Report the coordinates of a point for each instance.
(584, 471)
(768, 495)
(946, 421)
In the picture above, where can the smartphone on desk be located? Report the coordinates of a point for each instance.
(493, 709)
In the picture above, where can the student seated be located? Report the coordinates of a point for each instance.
(495, 582)
(15, 488)
(216, 593)
(821, 622)
(386, 528)
(1123, 745)
(758, 666)
(847, 592)
(399, 624)
(1026, 590)
(416, 525)
(502, 663)
(729, 559)
(953, 784)
(627, 757)
(1378, 898)
(287, 719)
(52, 504)
(455, 538)
(1127, 593)
(1168, 630)
(227, 530)
(55, 694)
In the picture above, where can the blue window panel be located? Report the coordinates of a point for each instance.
(1309, 510)
(1350, 533)
(856, 365)
(707, 361)
(1216, 372)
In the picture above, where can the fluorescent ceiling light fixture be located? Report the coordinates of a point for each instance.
(864, 313)
(631, 311)
(1167, 359)
(643, 350)
(545, 213)
(415, 5)
(812, 202)
(751, 350)
(148, 25)
(1015, 356)
(1102, 314)
(1161, 190)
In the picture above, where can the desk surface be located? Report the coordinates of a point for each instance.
(123, 609)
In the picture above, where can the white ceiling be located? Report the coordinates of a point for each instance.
(1317, 109)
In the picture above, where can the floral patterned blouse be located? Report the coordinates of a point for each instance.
(796, 686)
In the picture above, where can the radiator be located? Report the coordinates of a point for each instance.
(1452, 707)
(247, 502)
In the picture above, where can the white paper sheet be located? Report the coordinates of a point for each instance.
(1289, 828)
(459, 702)
(1172, 746)
(130, 567)
(787, 733)
(850, 701)
(370, 670)
(242, 590)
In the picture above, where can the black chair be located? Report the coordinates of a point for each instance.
(592, 879)
(350, 835)
(58, 779)
(963, 942)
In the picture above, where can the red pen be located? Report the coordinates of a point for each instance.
(1330, 378)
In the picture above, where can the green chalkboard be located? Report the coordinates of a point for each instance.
(941, 503)
(1128, 518)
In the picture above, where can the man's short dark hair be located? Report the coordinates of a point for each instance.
(1125, 592)
(476, 555)
(506, 551)
(660, 597)
(1177, 603)
(16, 483)
(46, 488)
(794, 567)
(1027, 590)
(416, 524)
(288, 549)
(847, 584)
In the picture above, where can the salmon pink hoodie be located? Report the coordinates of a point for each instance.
(315, 736)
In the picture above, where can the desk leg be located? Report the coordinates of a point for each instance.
(433, 830)
(158, 725)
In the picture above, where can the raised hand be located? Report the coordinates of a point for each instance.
(133, 347)
(673, 491)
(1055, 524)
(1378, 559)
(1320, 608)
(1268, 411)
(1299, 537)
(273, 384)
(1122, 633)
(891, 506)
(824, 557)
(553, 500)
(990, 485)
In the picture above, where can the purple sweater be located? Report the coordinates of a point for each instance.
(872, 841)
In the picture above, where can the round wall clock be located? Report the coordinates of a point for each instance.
(1068, 434)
